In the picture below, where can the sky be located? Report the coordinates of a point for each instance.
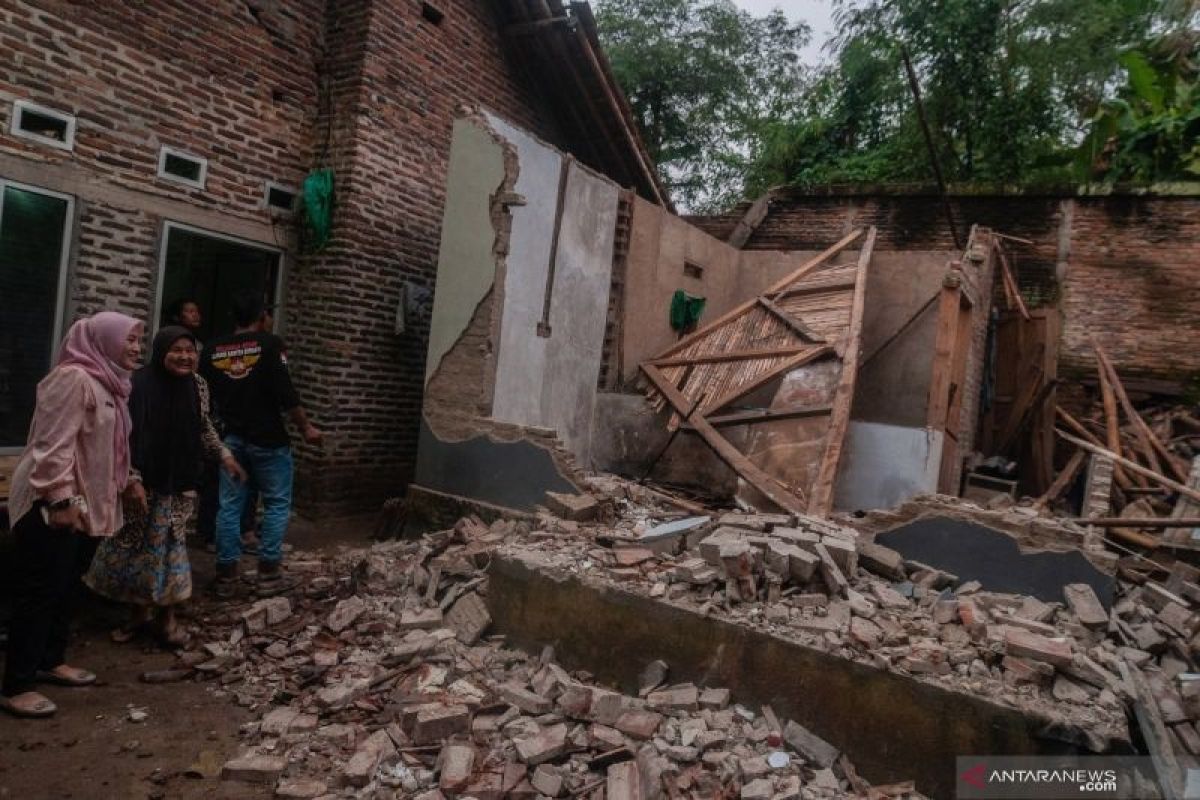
(817, 13)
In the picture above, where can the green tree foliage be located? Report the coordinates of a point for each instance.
(1016, 92)
(1009, 87)
(1151, 129)
(704, 79)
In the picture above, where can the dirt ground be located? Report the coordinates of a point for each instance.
(91, 750)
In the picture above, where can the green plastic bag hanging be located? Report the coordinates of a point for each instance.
(685, 310)
(318, 205)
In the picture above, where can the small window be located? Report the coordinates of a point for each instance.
(181, 167)
(693, 270)
(432, 13)
(279, 198)
(44, 125)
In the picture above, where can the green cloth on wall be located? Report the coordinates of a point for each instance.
(685, 310)
(318, 205)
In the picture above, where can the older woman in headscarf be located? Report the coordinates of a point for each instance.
(67, 486)
(146, 563)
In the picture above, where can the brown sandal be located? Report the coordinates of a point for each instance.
(78, 677)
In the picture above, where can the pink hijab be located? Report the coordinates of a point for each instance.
(95, 344)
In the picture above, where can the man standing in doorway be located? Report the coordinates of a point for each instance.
(247, 372)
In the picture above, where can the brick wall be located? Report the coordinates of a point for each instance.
(410, 84)
(268, 90)
(1129, 261)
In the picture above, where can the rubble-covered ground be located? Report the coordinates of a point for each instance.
(379, 675)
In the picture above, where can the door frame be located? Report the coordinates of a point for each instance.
(64, 268)
(160, 277)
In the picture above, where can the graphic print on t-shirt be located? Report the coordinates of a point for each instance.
(236, 359)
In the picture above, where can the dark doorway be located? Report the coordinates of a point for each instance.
(210, 269)
(33, 248)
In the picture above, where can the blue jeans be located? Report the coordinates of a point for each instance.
(271, 469)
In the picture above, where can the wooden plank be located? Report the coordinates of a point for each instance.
(750, 221)
(1112, 419)
(743, 389)
(1010, 281)
(772, 489)
(1139, 522)
(1122, 480)
(779, 285)
(732, 355)
(943, 353)
(842, 285)
(1131, 465)
(767, 414)
(1063, 480)
(1143, 430)
(797, 327)
(821, 500)
(1032, 395)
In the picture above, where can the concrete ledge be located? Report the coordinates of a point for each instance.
(891, 726)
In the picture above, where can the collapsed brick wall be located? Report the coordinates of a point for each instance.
(267, 91)
(1128, 260)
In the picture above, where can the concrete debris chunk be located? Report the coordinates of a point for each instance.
(1082, 600)
(345, 613)
(420, 619)
(883, 561)
(813, 748)
(623, 782)
(524, 699)
(652, 677)
(639, 724)
(576, 507)
(547, 780)
(455, 764)
(301, 789)
(714, 698)
(831, 572)
(437, 723)
(1023, 644)
(684, 697)
(546, 744)
(252, 768)
(469, 618)
(366, 759)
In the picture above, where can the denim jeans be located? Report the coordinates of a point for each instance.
(271, 469)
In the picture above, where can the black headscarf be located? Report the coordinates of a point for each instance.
(165, 445)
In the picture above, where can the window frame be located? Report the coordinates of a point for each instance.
(162, 173)
(64, 269)
(282, 187)
(18, 111)
(160, 280)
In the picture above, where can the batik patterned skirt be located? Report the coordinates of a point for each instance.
(146, 562)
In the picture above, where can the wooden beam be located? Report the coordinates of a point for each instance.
(797, 327)
(744, 389)
(1031, 389)
(1063, 480)
(819, 287)
(1112, 419)
(1122, 480)
(1139, 522)
(783, 283)
(821, 501)
(943, 352)
(1133, 466)
(767, 415)
(1010, 282)
(771, 488)
(732, 355)
(750, 221)
(1147, 436)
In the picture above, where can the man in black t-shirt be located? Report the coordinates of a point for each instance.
(251, 389)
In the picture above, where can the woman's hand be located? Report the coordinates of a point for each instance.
(135, 495)
(69, 518)
(234, 469)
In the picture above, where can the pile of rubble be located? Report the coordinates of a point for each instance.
(821, 584)
(377, 679)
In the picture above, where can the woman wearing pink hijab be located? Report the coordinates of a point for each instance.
(67, 485)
